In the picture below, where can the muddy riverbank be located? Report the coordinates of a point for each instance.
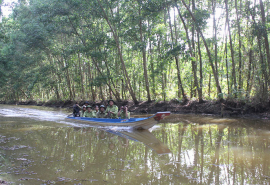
(226, 108)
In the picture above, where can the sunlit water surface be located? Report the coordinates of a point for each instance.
(39, 145)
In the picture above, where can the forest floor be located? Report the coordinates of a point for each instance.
(226, 108)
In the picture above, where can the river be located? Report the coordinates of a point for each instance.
(38, 145)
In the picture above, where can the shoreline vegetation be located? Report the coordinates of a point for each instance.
(226, 108)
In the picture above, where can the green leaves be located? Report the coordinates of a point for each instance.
(176, 51)
(62, 46)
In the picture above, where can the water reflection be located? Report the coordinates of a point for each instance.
(144, 136)
(200, 150)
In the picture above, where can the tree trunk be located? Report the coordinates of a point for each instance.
(101, 94)
(240, 82)
(116, 39)
(201, 71)
(249, 73)
(215, 32)
(208, 52)
(163, 86)
(265, 36)
(180, 86)
(231, 47)
(90, 83)
(115, 93)
(81, 74)
(69, 84)
(263, 65)
(209, 85)
(249, 78)
(144, 60)
(199, 89)
(153, 72)
(54, 75)
(227, 66)
(193, 62)
(186, 29)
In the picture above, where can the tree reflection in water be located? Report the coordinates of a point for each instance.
(195, 150)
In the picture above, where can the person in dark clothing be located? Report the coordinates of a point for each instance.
(76, 110)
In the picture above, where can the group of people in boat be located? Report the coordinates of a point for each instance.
(101, 111)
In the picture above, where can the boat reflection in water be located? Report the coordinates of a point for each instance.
(144, 136)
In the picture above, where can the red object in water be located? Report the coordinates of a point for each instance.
(161, 115)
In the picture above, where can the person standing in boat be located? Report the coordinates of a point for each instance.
(95, 111)
(101, 113)
(112, 110)
(88, 113)
(124, 113)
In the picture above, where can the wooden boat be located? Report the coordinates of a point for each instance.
(135, 123)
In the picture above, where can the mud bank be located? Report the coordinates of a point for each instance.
(224, 109)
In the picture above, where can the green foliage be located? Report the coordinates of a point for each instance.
(176, 51)
(201, 17)
(66, 49)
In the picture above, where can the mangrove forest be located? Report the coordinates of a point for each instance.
(141, 50)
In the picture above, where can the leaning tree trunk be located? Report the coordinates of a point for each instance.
(215, 32)
(115, 92)
(199, 89)
(180, 86)
(208, 51)
(116, 39)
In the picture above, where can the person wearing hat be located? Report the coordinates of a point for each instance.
(101, 113)
(112, 110)
(95, 111)
(88, 113)
(124, 113)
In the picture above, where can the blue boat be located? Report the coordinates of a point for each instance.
(135, 123)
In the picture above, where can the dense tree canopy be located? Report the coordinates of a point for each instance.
(138, 50)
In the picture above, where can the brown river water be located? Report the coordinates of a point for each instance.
(39, 145)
